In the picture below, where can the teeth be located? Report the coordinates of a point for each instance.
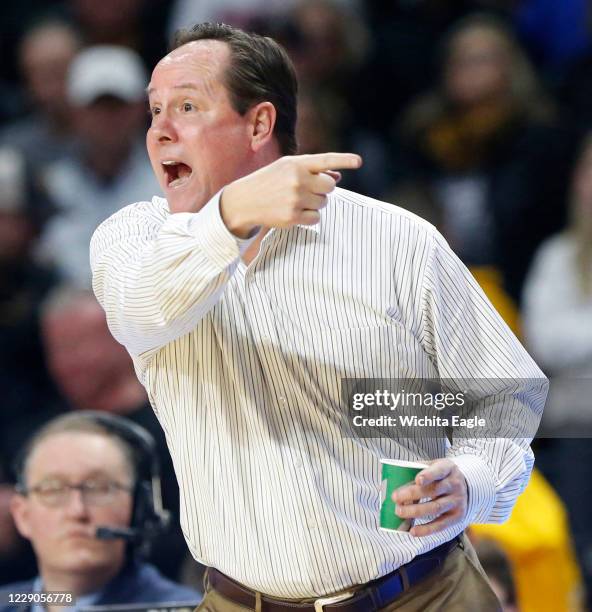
(169, 162)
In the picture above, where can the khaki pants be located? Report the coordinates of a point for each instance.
(460, 586)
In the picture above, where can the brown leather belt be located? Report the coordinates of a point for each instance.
(372, 596)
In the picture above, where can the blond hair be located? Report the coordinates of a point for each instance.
(525, 91)
(580, 226)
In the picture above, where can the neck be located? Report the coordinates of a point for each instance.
(254, 247)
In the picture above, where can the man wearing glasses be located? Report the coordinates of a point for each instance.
(78, 476)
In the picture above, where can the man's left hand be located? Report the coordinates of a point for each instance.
(445, 484)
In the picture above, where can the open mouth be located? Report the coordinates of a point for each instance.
(177, 173)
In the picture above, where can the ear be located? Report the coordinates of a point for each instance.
(261, 123)
(19, 508)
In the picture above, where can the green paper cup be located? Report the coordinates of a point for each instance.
(395, 474)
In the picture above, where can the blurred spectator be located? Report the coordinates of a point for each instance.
(327, 45)
(317, 127)
(78, 475)
(27, 388)
(484, 150)
(23, 286)
(45, 53)
(240, 13)
(537, 541)
(91, 369)
(324, 125)
(15, 18)
(404, 47)
(136, 24)
(558, 324)
(94, 372)
(499, 571)
(558, 299)
(106, 87)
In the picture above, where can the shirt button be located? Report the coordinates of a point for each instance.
(283, 400)
(297, 463)
(311, 524)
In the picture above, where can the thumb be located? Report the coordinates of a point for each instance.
(336, 176)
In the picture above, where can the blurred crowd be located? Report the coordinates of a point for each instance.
(474, 114)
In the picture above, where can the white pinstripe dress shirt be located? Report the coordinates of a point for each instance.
(243, 364)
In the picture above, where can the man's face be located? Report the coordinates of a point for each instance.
(16, 235)
(45, 57)
(63, 535)
(86, 362)
(478, 68)
(194, 126)
(125, 121)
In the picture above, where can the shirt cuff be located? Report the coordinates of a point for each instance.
(480, 487)
(218, 242)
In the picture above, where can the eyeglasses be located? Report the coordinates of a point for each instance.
(55, 493)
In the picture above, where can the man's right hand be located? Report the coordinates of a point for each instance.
(290, 191)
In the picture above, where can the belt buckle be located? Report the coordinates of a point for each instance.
(321, 602)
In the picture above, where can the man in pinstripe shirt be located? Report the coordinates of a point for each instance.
(245, 297)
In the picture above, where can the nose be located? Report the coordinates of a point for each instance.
(163, 129)
(76, 505)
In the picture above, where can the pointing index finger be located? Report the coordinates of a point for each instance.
(321, 162)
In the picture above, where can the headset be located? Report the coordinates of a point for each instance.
(149, 518)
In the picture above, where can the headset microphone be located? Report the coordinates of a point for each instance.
(114, 533)
(150, 519)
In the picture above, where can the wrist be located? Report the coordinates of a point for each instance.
(480, 483)
(233, 214)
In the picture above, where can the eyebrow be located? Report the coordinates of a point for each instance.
(151, 90)
(91, 474)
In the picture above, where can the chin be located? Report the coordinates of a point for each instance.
(83, 561)
(92, 554)
(179, 203)
(82, 564)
